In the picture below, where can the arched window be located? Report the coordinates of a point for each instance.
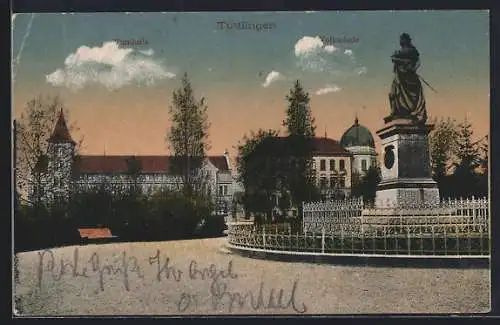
(364, 166)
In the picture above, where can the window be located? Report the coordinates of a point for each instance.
(363, 165)
(374, 162)
(322, 165)
(332, 164)
(322, 182)
(222, 190)
(342, 164)
(342, 182)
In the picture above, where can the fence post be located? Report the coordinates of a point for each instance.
(433, 241)
(341, 238)
(264, 237)
(445, 240)
(323, 240)
(408, 235)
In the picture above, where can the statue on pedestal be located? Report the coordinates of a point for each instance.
(406, 97)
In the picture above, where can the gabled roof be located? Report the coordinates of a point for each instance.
(148, 164)
(219, 162)
(323, 146)
(61, 131)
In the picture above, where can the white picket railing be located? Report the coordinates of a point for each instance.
(454, 228)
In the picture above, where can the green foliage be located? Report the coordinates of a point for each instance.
(187, 136)
(129, 213)
(269, 165)
(468, 151)
(443, 146)
(301, 130)
(299, 120)
(453, 148)
(260, 166)
(366, 185)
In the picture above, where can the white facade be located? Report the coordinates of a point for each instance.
(364, 157)
(333, 170)
(61, 173)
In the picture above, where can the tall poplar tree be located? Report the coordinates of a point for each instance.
(188, 135)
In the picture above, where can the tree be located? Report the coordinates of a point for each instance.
(467, 151)
(443, 143)
(484, 152)
(258, 169)
(301, 131)
(33, 130)
(299, 120)
(465, 176)
(366, 185)
(187, 137)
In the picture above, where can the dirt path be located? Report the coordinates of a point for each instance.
(181, 280)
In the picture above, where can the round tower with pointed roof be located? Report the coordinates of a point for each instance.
(359, 141)
(61, 150)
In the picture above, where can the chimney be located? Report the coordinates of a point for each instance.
(228, 160)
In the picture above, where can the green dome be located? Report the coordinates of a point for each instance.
(357, 135)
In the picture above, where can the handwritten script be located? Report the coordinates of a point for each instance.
(222, 294)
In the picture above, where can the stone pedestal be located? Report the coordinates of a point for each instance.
(406, 167)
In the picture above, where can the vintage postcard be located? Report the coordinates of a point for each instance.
(251, 163)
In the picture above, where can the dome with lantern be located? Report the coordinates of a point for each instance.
(357, 136)
(359, 141)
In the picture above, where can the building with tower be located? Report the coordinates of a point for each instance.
(359, 141)
(335, 162)
(63, 171)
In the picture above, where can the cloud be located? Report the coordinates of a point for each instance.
(361, 71)
(307, 46)
(314, 55)
(272, 77)
(110, 66)
(330, 48)
(328, 89)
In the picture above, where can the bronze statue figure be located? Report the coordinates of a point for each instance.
(406, 97)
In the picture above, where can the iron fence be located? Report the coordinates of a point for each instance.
(453, 228)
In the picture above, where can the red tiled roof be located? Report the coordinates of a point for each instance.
(61, 132)
(327, 146)
(148, 164)
(94, 233)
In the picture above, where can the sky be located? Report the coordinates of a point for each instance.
(244, 64)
